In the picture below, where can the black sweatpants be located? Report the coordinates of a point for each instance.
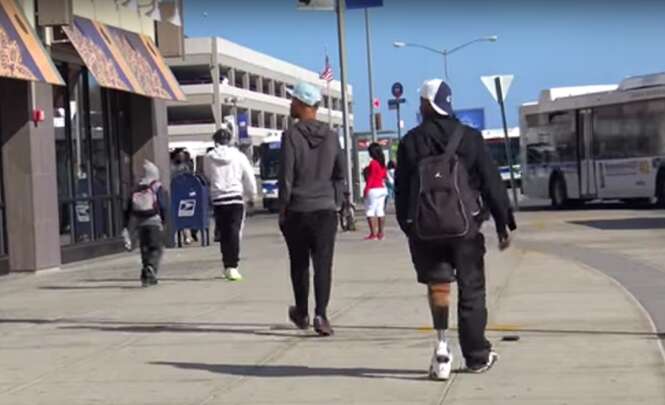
(311, 235)
(462, 261)
(151, 242)
(228, 223)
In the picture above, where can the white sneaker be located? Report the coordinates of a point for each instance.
(442, 363)
(232, 274)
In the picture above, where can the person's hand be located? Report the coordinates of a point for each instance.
(504, 241)
(250, 204)
(282, 219)
(127, 239)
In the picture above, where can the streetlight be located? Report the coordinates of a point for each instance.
(445, 52)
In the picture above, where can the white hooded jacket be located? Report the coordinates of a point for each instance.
(230, 174)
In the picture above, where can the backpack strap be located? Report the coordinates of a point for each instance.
(453, 143)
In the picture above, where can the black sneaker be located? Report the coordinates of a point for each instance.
(483, 368)
(301, 322)
(322, 326)
(150, 277)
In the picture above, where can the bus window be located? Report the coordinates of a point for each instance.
(270, 161)
(497, 149)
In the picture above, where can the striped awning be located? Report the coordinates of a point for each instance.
(22, 55)
(123, 60)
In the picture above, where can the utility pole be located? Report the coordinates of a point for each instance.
(341, 31)
(372, 123)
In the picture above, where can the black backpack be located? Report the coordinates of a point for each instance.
(447, 206)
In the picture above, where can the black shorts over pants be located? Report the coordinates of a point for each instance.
(441, 262)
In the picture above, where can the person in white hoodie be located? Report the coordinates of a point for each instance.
(231, 179)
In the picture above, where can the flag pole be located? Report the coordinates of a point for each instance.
(330, 124)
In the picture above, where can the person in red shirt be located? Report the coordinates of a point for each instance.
(376, 192)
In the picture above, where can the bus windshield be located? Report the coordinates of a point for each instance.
(270, 161)
(497, 148)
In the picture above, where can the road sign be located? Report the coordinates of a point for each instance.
(316, 5)
(393, 103)
(489, 82)
(376, 103)
(498, 86)
(351, 4)
(472, 117)
(329, 5)
(397, 90)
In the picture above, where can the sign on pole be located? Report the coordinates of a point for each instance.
(489, 82)
(316, 5)
(329, 5)
(393, 103)
(472, 117)
(397, 90)
(351, 4)
(498, 86)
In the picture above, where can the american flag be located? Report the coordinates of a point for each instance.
(327, 73)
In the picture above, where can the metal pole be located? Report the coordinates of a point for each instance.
(399, 122)
(341, 31)
(372, 124)
(509, 152)
(215, 72)
(330, 124)
(445, 65)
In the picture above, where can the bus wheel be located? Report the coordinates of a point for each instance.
(558, 193)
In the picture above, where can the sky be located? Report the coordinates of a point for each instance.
(543, 43)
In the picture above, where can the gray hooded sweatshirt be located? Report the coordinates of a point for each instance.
(311, 168)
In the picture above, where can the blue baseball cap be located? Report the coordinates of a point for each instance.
(439, 95)
(307, 93)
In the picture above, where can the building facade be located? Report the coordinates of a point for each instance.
(221, 79)
(88, 100)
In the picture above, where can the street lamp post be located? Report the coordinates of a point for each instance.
(445, 52)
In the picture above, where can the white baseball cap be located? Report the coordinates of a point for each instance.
(439, 95)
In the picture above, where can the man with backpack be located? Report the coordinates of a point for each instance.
(445, 183)
(147, 207)
(231, 179)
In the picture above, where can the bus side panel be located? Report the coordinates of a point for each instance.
(627, 178)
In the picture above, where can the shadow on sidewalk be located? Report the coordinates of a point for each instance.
(89, 287)
(276, 371)
(626, 224)
(130, 280)
(274, 329)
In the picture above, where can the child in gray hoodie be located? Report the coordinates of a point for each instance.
(147, 208)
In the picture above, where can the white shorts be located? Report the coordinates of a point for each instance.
(375, 202)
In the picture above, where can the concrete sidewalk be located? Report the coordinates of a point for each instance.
(89, 335)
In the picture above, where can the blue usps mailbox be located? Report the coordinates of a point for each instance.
(190, 206)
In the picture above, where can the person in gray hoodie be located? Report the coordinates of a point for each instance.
(310, 184)
(231, 179)
(146, 208)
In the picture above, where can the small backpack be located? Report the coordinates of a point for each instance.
(145, 202)
(446, 206)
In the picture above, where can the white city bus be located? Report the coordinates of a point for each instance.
(496, 143)
(270, 151)
(596, 142)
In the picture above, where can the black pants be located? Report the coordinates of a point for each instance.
(462, 261)
(311, 235)
(228, 223)
(151, 242)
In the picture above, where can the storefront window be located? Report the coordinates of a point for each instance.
(88, 159)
